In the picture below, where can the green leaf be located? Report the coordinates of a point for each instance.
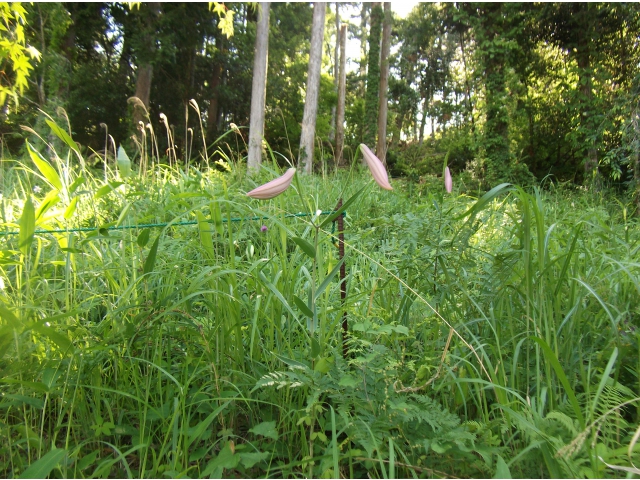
(266, 429)
(62, 135)
(196, 432)
(346, 204)
(205, 235)
(348, 381)
(51, 199)
(70, 210)
(328, 279)
(88, 460)
(305, 246)
(106, 189)
(502, 469)
(315, 348)
(323, 365)
(43, 467)
(225, 459)
(302, 306)
(124, 164)
(27, 225)
(249, 459)
(216, 214)
(292, 363)
(143, 238)
(151, 257)
(46, 170)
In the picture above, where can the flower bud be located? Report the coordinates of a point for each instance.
(376, 167)
(274, 187)
(448, 181)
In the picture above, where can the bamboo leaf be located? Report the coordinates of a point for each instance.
(27, 225)
(151, 258)
(305, 246)
(62, 135)
(46, 170)
(302, 306)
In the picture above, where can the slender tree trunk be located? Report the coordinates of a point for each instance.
(143, 83)
(336, 61)
(342, 83)
(308, 134)
(363, 46)
(258, 89)
(381, 147)
(145, 66)
(373, 77)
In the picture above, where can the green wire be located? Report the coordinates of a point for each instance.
(157, 225)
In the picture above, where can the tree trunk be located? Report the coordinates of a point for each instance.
(363, 46)
(258, 90)
(336, 61)
(308, 134)
(373, 77)
(144, 62)
(381, 147)
(342, 83)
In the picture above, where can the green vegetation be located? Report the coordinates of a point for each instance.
(156, 321)
(495, 336)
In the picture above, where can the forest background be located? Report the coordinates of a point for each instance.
(510, 91)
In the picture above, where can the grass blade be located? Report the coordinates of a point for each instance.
(43, 467)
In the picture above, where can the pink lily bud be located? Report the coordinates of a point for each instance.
(376, 167)
(448, 181)
(274, 187)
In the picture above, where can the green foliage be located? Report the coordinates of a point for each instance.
(487, 337)
(15, 54)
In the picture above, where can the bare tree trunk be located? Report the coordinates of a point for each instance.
(342, 83)
(336, 61)
(363, 45)
(258, 89)
(381, 147)
(145, 68)
(308, 134)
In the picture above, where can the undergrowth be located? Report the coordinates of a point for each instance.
(170, 326)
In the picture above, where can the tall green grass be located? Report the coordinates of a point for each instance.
(488, 336)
